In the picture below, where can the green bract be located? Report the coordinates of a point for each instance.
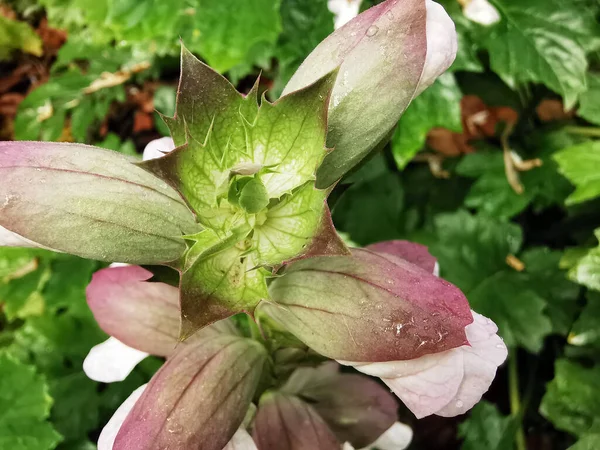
(247, 171)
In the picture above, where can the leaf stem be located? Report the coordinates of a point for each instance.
(515, 399)
(583, 131)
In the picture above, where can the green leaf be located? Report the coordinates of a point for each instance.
(228, 29)
(587, 442)
(581, 165)
(381, 199)
(24, 405)
(438, 106)
(544, 275)
(491, 193)
(547, 39)
(571, 399)
(21, 296)
(16, 35)
(586, 270)
(487, 428)
(472, 252)
(589, 105)
(586, 330)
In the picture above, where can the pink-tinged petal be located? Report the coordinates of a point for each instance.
(111, 361)
(397, 437)
(111, 429)
(369, 307)
(10, 239)
(198, 398)
(410, 251)
(442, 44)
(481, 359)
(90, 202)
(241, 440)
(356, 408)
(158, 148)
(386, 55)
(284, 422)
(447, 383)
(140, 314)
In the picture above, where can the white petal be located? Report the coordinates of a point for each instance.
(441, 44)
(158, 148)
(446, 383)
(436, 269)
(397, 437)
(347, 446)
(343, 10)
(481, 359)
(10, 239)
(241, 440)
(111, 429)
(111, 361)
(482, 12)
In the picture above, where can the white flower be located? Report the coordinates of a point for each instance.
(481, 11)
(158, 148)
(111, 361)
(343, 10)
(397, 437)
(442, 44)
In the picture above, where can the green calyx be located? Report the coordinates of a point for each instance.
(247, 171)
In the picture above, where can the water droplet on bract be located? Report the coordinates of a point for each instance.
(372, 30)
(398, 328)
(459, 403)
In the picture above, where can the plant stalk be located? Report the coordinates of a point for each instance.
(515, 399)
(583, 131)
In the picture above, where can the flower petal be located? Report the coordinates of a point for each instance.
(111, 429)
(198, 398)
(140, 314)
(10, 239)
(397, 437)
(481, 359)
(446, 383)
(241, 440)
(343, 10)
(111, 361)
(158, 148)
(442, 44)
(482, 12)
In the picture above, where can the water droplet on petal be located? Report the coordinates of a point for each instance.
(389, 15)
(398, 328)
(372, 30)
(499, 346)
(459, 403)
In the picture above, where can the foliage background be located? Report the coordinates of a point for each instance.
(496, 168)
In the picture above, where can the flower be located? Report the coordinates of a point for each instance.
(158, 148)
(481, 11)
(397, 437)
(386, 56)
(383, 306)
(344, 11)
(217, 368)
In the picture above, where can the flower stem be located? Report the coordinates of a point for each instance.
(515, 399)
(583, 131)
